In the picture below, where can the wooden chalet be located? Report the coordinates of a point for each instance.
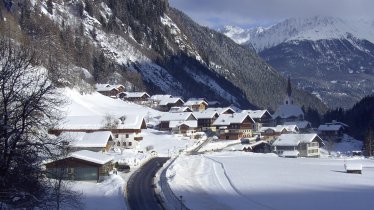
(110, 90)
(197, 104)
(333, 131)
(82, 165)
(261, 117)
(186, 128)
(135, 96)
(221, 110)
(206, 119)
(234, 126)
(167, 103)
(168, 117)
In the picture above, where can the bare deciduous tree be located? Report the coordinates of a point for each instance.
(28, 107)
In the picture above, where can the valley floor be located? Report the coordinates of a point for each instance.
(239, 180)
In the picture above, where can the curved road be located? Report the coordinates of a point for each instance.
(140, 191)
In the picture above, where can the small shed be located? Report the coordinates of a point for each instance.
(82, 165)
(354, 168)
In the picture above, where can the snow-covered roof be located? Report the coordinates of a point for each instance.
(94, 157)
(189, 123)
(160, 97)
(300, 124)
(288, 110)
(220, 110)
(254, 144)
(280, 128)
(166, 101)
(205, 114)
(180, 109)
(296, 139)
(83, 139)
(104, 87)
(256, 114)
(195, 101)
(97, 122)
(176, 116)
(328, 127)
(135, 94)
(227, 119)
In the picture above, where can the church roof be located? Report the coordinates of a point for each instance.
(287, 111)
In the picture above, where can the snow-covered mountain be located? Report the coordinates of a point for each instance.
(330, 57)
(299, 29)
(145, 45)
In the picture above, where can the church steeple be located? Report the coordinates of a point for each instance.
(289, 88)
(288, 99)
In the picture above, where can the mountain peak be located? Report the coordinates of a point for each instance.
(304, 28)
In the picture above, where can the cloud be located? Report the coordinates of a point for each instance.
(215, 13)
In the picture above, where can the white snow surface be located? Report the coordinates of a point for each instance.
(108, 195)
(239, 180)
(96, 104)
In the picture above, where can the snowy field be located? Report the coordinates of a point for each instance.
(106, 195)
(239, 180)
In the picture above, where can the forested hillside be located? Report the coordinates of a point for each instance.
(145, 45)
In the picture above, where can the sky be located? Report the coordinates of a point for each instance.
(252, 13)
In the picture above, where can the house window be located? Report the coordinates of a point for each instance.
(130, 143)
(118, 143)
(116, 135)
(127, 136)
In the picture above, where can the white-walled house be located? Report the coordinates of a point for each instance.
(126, 130)
(304, 145)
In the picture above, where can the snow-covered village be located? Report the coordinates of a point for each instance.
(134, 105)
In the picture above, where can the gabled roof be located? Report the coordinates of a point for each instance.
(195, 101)
(189, 123)
(135, 94)
(254, 144)
(205, 114)
(257, 114)
(160, 97)
(166, 101)
(180, 109)
(176, 116)
(228, 119)
(300, 124)
(105, 87)
(83, 139)
(288, 110)
(94, 157)
(329, 127)
(220, 110)
(96, 122)
(296, 139)
(277, 129)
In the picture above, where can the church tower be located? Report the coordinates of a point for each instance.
(288, 100)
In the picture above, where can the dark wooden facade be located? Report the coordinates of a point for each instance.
(71, 168)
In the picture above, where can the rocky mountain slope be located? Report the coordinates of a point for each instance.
(146, 45)
(329, 57)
